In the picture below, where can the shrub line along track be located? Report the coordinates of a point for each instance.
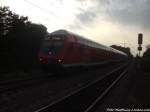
(86, 98)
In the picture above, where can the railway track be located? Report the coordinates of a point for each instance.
(86, 98)
(12, 85)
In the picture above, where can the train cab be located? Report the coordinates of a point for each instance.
(56, 49)
(51, 51)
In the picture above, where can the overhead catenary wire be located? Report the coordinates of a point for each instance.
(60, 19)
(55, 7)
(43, 9)
(57, 17)
(112, 15)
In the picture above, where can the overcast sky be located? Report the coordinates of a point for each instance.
(105, 21)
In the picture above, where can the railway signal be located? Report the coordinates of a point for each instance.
(140, 41)
(139, 48)
(140, 38)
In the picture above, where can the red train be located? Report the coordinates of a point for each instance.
(68, 49)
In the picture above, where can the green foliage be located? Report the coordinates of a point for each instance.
(10, 21)
(20, 41)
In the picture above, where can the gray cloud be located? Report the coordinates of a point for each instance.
(76, 25)
(136, 13)
(86, 16)
(126, 12)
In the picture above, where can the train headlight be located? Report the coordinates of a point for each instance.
(50, 53)
(59, 60)
(41, 59)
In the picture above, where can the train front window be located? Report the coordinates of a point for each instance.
(52, 46)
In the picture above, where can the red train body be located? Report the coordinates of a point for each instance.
(67, 49)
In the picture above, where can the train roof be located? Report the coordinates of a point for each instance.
(60, 32)
(86, 41)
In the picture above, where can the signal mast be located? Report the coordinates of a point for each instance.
(140, 41)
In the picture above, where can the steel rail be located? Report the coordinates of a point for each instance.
(93, 105)
(59, 103)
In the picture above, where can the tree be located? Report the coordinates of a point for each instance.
(10, 21)
(20, 40)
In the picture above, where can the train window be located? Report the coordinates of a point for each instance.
(56, 37)
(52, 46)
(73, 46)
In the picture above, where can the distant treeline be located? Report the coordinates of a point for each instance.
(20, 41)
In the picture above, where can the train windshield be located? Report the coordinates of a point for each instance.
(52, 46)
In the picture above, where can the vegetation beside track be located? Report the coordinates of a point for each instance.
(145, 61)
(20, 41)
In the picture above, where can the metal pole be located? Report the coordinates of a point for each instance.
(139, 53)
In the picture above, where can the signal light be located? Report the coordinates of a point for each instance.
(140, 38)
(140, 48)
